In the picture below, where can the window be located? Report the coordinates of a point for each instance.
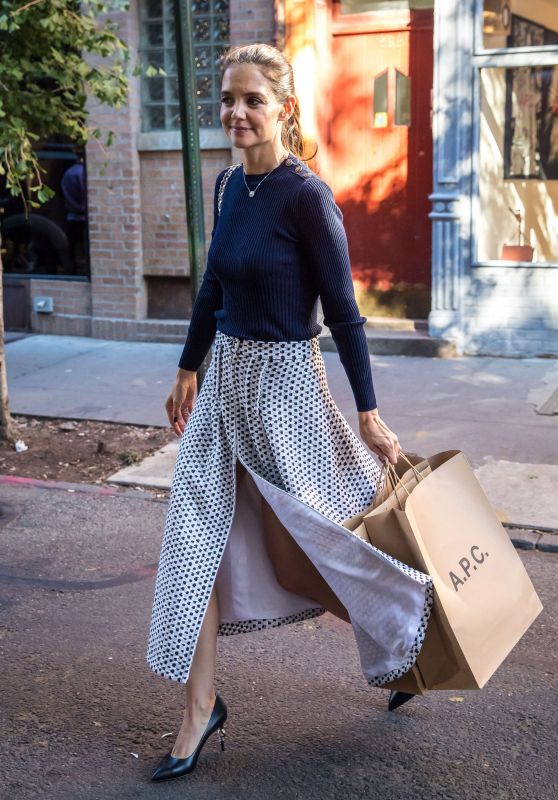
(360, 6)
(53, 240)
(402, 114)
(392, 99)
(211, 32)
(515, 176)
(381, 100)
(518, 165)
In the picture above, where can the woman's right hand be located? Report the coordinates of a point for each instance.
(180, 401)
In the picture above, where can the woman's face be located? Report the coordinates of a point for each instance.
(249, 109)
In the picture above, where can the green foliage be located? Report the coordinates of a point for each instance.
(55, 56)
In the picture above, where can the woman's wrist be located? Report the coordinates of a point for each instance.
(183, 374)
(365, 415)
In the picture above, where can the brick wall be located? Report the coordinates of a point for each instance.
(72, 307)
(165, 243)
(251, 21)
(113, 179)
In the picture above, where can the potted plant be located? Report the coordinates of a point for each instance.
(519, 251)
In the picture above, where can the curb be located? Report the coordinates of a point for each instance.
(84, 488)
(545, 540)
(536, 538)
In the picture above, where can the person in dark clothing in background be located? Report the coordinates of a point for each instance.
(75, 199)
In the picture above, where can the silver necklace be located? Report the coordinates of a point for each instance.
(252, 192)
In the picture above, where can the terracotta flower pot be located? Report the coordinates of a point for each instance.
(517, 252)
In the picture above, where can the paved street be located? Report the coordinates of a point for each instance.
(76, 586)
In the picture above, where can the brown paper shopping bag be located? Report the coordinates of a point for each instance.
(484, 598)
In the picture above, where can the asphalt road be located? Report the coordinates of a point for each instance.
(82, 716)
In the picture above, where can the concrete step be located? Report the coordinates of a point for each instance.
(396, 324)
(398, 338)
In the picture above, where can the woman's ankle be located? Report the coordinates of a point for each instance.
(200, 704)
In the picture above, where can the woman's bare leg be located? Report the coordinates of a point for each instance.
(200, 686)
(200, 690)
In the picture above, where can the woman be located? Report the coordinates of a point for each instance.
(272, 551)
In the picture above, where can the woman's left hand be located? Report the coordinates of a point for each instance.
(378, 437)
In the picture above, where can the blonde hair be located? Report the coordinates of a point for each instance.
(275, 67)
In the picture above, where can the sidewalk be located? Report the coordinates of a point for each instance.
(485, 406)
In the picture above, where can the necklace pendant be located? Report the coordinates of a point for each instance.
(252, 193)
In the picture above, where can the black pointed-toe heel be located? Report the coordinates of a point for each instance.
(172, 767)
(397, 699)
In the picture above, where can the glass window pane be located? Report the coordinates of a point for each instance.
(205, 115)
(152, 34)
(201, 29)
(169, 34)
(360, 6)
(202, 57)
(535, 25)
(380, 119)
(154, 118)
(173, 118)
(204, 86)
(518, 165)
(172, 90)
(170, 62)
(221, 30)
(154, 58)
(402, 99)
(152, 9)
(155, 90)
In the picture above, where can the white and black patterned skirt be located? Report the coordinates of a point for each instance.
(269, 405)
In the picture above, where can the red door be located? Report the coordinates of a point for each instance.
(380, 145)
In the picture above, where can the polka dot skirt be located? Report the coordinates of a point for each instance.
(269, 405)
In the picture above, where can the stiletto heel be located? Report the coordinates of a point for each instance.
(172, 767)
(397, 699)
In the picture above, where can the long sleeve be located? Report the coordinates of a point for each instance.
(203, 325)
(326, 250)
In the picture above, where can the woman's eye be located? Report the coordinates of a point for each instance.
(255, 100)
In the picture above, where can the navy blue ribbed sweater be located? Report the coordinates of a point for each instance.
(270, 258)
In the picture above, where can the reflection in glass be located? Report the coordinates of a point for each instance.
(53, 239)
(402, 99)
(381, 100)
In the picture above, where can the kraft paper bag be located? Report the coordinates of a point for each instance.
(484, 599)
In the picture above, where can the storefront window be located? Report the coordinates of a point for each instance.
(518, 165)
(51, 240)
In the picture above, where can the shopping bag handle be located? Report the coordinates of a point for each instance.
(419, 475)
(394, 477)
(390, 470)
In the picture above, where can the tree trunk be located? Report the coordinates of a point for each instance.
(7, 428)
